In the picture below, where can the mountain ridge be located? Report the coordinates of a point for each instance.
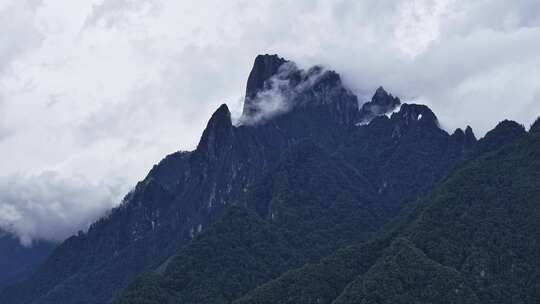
(375, 274)
(401, 157)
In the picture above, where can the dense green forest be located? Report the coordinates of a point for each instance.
(473, 240)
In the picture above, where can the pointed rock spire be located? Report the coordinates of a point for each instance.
(535, 128)
(218, 133)
(469, 134)
(384, 100)
(466, 140)
(264, 67)
(381, 103)
(470, 138)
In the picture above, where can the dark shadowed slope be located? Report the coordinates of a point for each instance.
(312, 205)
(473, 240)
(18, 261)
(315, 203)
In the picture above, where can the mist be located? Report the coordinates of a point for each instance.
(279, 95)
(49, 207)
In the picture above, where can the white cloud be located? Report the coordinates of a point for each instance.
(16, 18)
(120, 12)
(104, 88)
(419, 24)
(50, 207)
(280, 95)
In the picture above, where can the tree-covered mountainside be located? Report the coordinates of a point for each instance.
(317, 173)
(473, 240)
(236, 254)
(314, 203)
(278, 230)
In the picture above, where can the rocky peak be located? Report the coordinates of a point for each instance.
(218, 133)
(504, 133)
(535, 128)
(469, 134)
(384, 99)
(277, 86)
(413, 113)
(264, 67)
(466, 139)
(506, 128)
(458, 134)
(381, 103)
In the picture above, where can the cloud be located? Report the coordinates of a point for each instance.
(119, 12)
(50, 207)
(103, 89)
(16, 18)
(418, 24)
(280, 94)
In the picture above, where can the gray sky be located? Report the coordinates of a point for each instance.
(93, 93)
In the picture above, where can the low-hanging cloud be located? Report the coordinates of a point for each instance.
(279, 94)
(103, 89)
(50, 207)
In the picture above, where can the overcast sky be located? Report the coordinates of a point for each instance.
(94, 92)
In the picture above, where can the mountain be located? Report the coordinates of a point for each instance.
(381, 103)
(314, 217)
(18, 261)
(303, 171)
(472, 240)
(535, 127)
(278, 229)
(213, 276)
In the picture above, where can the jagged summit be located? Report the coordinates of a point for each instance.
(276, 86)
(506, 127)
(535, 128)
(466, 138)
(222, 112)
(469, 133)
(264, 67)
(383, 98)
(412, 113)
(458, 133)
(218, 132)
(504, 133)
(381, 103)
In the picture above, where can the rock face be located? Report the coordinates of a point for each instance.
(218, 135)
(264, 68)
(277, 86)
(395, 159)
(535, 128)
(471, 240)
(381, 103)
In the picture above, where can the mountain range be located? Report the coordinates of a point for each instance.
(315, 197)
